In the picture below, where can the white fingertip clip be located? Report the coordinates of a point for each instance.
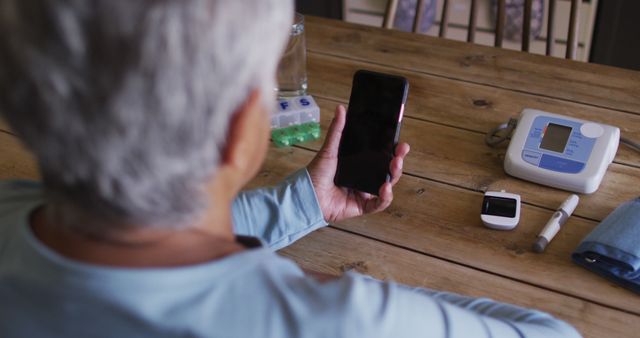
(500, 210)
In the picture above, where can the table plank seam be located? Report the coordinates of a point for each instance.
(511, 89)
(390, 226)
(410, 116)
(406, 114)
(8, 132)
(479, 191)
(431, 230)
(482, 270)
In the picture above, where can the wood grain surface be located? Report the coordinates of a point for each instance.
(3, 125)
(460, 158)
(461, 104)
(443, 221)
(596, 85)
(15, 160)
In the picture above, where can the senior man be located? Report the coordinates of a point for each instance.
(147, 117)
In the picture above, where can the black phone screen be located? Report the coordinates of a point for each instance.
(371, 130)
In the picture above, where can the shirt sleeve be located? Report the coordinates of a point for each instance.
(402, 311)
(279, 215)
(500, 319)
(359, 306)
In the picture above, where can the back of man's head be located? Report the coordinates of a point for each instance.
(126, 103)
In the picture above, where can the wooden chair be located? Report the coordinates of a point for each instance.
(572, 38)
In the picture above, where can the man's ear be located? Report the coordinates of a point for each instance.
(247, 138)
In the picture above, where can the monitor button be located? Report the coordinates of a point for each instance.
(591, 130)
(560, 164)
(531, 157)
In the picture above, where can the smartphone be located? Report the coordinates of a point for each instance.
(371, 132)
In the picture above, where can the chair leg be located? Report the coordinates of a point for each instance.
(390, 13)
(473, 14)
(500, 18)
(417, 20)
(444, 22)
(526, 25)
(572, 39)
(550, 27)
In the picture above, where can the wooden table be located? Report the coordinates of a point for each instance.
(432, 235)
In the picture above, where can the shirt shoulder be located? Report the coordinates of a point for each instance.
(17, 199)
(352, 305)
(16, 195)
(18, 192)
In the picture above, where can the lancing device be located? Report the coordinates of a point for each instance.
(556, 222)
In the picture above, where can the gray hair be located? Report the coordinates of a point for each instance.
(126, 103)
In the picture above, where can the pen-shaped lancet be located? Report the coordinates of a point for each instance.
(556, 221)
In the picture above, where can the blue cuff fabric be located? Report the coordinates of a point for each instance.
(612, 249)
(279, 215)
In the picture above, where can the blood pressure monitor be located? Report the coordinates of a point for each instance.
(560, 151)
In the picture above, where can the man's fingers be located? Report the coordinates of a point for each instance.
(402, 149)
(332, 141)
(384, 199)
(364, 195)
(395, 167)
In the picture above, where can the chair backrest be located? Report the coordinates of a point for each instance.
(572, 38)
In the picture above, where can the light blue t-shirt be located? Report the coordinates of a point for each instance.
(254, 293)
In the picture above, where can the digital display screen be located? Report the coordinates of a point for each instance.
(555, 137)
(369, 136)
(499, 206)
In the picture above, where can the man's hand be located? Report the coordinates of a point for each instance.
(339, 203)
